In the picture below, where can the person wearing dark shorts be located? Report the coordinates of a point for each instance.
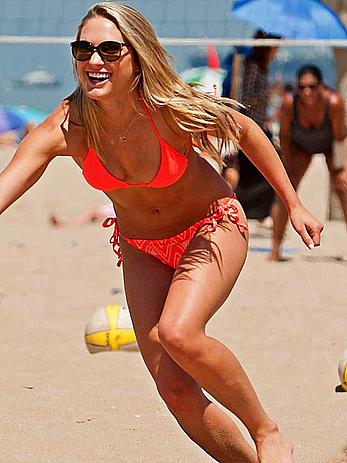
(253, 190)
(312, 121)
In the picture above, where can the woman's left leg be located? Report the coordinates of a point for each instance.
(340, 188)
(203, 281)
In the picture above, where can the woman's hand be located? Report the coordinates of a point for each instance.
(306, 226)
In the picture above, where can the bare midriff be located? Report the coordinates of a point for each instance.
(154, 213)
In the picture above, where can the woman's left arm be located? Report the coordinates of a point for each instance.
(339, 158)
(337, 116)
(262, 154)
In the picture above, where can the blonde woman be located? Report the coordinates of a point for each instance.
(181, 234)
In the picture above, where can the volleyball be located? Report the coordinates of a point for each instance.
(343, 371)
(110, 329)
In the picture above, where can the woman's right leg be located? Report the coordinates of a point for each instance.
(147, 282)
(340, 188)
(296, 168)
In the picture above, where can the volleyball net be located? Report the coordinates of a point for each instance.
(189, 41)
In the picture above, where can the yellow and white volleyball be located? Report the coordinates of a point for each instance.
(110, 329)
(343, 371)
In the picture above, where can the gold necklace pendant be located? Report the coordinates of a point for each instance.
(122, 138)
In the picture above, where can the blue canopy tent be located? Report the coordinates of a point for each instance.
(293, 19)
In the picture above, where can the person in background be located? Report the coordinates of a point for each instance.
(253, 190)
(312, 121)
(96, 214)
(277, 91)
(13, 137)
(230, 169)
(9, 139)
(180, 233)
(26, 129)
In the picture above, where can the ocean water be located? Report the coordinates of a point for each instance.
(18, 59)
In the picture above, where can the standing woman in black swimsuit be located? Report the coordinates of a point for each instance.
(312, 121)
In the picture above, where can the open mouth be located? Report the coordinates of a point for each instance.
(98, 77)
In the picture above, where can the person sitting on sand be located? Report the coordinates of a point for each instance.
(96, 214)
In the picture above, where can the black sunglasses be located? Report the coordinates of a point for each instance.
(108, 51)
(310, 86)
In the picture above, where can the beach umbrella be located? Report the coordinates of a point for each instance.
(294, 19)
(16, 117)
(211, 80)
(9, 120)
(27, 114)
(210, 77)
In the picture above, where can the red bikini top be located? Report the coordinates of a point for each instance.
(172, 167)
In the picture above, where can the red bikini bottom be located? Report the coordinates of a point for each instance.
(170, 250)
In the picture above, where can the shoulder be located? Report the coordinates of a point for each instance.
(70, 111)
(59, 133)
(335, 99)
(288, 101)
(172, 121)
(243, 122)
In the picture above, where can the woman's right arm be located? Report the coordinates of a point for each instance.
(31, 159)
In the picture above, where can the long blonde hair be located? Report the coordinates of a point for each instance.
(159, 85)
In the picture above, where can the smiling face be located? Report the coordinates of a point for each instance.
(103, 79)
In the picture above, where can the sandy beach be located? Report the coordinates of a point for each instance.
(286, 322)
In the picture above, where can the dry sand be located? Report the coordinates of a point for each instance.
(59, 404)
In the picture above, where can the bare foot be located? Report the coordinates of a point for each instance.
(274, 448)
(273, 257)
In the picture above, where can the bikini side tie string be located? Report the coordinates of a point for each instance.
(114, 240)
(229, 210)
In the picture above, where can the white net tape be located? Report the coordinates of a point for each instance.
(185, 41)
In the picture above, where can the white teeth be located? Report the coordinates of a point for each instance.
(99, 75)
